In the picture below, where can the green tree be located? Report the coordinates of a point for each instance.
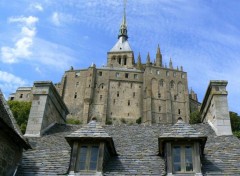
(20, 110)
(195, 117)
(235, 121)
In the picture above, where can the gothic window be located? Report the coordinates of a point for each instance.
(174, 74)
(182, 157)
(183, 76)
(117, 93)
(75, 95)
(129, 103)
(114, 57)
(77, 74)
(161, 83)
(172, 85)
(100, 73)
(159, 95)
(125, 60)
(179, 111)
(126, 75)
(167, 73)
(87, 157)
(117, 75)
(119, 60)
(21, 96)
(157, 72)
(175, 97)
(135, 76)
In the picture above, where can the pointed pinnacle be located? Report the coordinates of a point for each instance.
(158, 50)
(139, 57)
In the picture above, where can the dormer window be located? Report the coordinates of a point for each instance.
(87, 158)
(182, 156)
(182, 147)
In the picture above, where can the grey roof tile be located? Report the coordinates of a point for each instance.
(137, 146)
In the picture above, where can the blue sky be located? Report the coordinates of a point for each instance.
(40, 39)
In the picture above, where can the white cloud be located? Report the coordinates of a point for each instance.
(53, 55)
(21, 49)
(37, 6)
(10, 78)
(55, 19)
(29, 21)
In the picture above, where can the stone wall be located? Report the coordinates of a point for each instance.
(214, 109)
(10, 154)
(47, 109)
(119, 93)
(22, 94)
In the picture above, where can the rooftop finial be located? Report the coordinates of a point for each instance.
(123, 27)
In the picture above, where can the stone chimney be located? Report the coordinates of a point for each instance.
(214, 109)
(47, 109)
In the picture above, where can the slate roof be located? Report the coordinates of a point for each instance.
(121, 45)
(181, 130)
(7, 118)
(137, 148)
(90, 130)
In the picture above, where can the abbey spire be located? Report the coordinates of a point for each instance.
(122, 43)
(123, 27)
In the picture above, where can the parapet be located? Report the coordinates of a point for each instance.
(214, 109)
(47, 109)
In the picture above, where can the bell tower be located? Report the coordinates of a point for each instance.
(121, 55)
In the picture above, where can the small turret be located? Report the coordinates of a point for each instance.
(139, 62)
(170, 64)
(181, 68)
(148, 59)
(158, 57)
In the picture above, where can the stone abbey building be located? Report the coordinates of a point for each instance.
(151, 91)
(163, 144)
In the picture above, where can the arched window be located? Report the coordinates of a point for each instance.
(125, 60)
(161, 83)
(172, 85)
(119, 59)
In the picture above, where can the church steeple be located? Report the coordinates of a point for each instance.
(123, 27)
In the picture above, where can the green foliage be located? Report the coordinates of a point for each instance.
(195, 117)
(236, 133)
(108, 121)
(235, 121)
(139, 120)
(20, 110)
(73, 121)
(123, 120)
